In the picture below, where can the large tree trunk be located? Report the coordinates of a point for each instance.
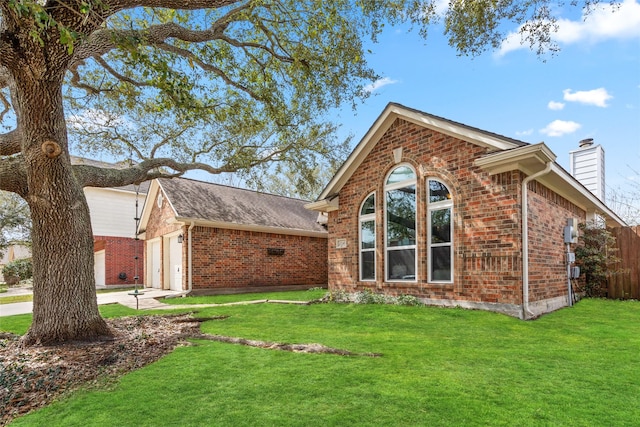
(64, 296)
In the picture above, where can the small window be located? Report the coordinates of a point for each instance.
(368, 239)
(400, 214)
(440, 232)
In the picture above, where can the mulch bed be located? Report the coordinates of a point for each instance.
(32, 377)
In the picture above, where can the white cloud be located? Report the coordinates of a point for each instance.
(378, 84)
(597, 97)
(524, 132)
(554, 105)
(560, 128)
(620, 21)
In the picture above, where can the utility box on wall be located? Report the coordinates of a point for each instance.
(571, 231)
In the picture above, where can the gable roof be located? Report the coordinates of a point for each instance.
(221, 206)
(389, 115)
(505, 154)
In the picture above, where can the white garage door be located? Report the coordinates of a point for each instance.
(99, 266)
(175, 264)
(153, 266)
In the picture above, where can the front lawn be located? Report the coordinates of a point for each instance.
(306, 295)
(574, 367)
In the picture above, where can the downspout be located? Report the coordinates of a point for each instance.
(189, 258)
(525, 240)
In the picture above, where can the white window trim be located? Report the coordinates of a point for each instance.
(434, 206)
(396, 186)
(361, 219)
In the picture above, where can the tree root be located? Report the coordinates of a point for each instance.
(295, 348)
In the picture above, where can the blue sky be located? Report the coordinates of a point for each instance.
(590, 89)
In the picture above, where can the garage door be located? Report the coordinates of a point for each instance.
(175, 264)
(99, 267)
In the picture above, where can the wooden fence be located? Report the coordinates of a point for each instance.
(625, 282)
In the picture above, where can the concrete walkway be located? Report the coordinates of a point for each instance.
(146, 300)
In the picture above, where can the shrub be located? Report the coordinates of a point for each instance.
(594, 256)
(407, 300)
(19, 269)
(368, 297)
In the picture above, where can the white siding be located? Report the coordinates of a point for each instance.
(587, 166)
(113, 211)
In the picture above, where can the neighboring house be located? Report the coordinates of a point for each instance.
(113, 221)
(12, 253)
(208, 238)
(429, 207)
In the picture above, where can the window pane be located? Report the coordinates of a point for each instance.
(401, 216)
(369, 205)
(441, 263)
(367, 234)
(438, 192)
(402, 264)
(441, 225)
(367, 265)
(402, 173)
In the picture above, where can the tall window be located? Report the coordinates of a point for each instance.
(400, 214)
(440, 233)
(368, 238)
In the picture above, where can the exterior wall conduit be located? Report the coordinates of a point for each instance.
(526, 314)
(190, 257)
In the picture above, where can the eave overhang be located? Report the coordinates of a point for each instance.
(251, 227)
(324, 205)
(528, 159)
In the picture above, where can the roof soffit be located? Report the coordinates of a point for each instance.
(528, 159)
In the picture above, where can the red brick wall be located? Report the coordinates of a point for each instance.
(120, 253)
(548, 214)
(160, 220)
(160, 223)
(235, 258)
(487, 222)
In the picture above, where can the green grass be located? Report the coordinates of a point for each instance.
(306, 295)
(439, 367)
(16, 298)
(20, 324)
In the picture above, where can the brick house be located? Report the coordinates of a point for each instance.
(118, 255)
(207, 238)
(433, 208)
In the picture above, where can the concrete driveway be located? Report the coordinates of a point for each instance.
(146, 300)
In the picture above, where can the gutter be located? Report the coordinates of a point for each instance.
(190, 258)
(525, 240)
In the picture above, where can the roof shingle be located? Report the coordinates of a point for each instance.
(205, 201)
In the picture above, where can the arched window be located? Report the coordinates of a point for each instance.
(440, 231)
(400, 217)
(368, 238)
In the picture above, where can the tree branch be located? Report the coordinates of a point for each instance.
(13, 176)
(92, 176)
(10, 143)
(118, 5)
